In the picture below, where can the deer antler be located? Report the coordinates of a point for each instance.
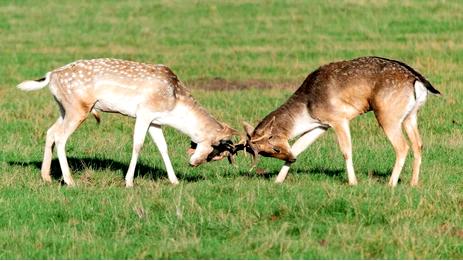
(244, 145)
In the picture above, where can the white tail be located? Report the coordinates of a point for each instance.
(151, 93)
(35, 85)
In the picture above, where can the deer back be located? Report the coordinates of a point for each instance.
(117, 86)
(343, 90)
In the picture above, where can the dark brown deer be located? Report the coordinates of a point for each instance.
(333, 95)
(151, 93)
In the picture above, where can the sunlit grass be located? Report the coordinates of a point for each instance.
(220, 211)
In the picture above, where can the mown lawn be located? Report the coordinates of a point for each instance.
(221, 211)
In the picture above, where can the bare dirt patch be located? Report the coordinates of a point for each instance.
(220, 84)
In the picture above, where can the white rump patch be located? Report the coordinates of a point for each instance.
(420, 98)
(420, 93)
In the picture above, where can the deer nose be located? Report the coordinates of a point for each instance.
(193, 165)
(291, 160)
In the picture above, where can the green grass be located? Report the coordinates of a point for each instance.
(219, 211)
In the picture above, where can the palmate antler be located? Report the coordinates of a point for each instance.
(225, 148)
(243, 144)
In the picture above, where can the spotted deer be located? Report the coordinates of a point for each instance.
(333, 95)
(151, 93)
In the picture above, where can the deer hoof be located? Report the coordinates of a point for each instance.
(46, 178)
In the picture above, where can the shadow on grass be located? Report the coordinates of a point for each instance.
(80, 164)
(379, 176)
(262, 173)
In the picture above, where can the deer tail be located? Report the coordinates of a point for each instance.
(35, 85)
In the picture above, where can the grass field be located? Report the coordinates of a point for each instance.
(220, 211)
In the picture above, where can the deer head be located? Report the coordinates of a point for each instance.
(217, 148)
(263, 141)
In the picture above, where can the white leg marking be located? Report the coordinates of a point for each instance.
(397, 169)
(350, 171)
(283, 172)
(298, 147)
(158, 138)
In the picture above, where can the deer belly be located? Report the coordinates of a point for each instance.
(126, 106)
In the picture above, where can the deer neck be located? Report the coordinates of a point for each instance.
(291, 120)
(190, 118)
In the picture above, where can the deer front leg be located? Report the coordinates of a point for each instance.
(158, 137)
(298, 147)
(141, 126)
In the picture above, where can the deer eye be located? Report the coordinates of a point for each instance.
(276, 149)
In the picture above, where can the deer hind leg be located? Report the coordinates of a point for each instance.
(70, 123)
(141, 126)
(158, 137)
(391, 123)
(345, 144)
(298, 147)
(411, 127)
(48, 151)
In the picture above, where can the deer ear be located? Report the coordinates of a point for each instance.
(248, 129)
(227, 132)
(268, 127)
(234, 132)
(230, 130)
